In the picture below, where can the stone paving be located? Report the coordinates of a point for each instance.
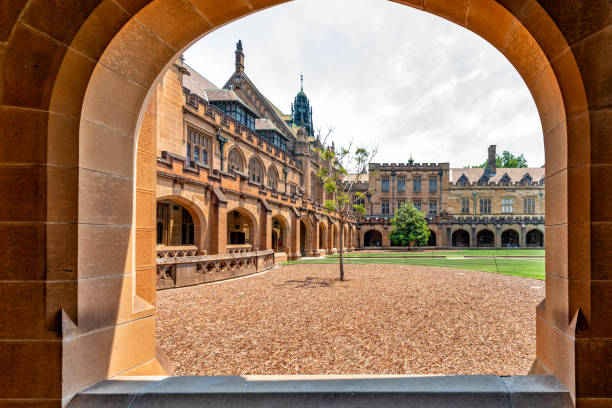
(384, 319)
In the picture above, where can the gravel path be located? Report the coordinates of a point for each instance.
(385, 319)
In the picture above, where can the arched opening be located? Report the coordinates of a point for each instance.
(179, 222)
(461, 238)
(432, 239)
(322, 236)
(534, 238)
(256, 172)
(272, 178)
(485, 238)
(303, 238)
(240, 228)
(557, 88)
(279, 234)
(510, 239)
(372, 238)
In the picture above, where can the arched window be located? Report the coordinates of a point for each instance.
(255, 171)
(235, 161)
(272, 178)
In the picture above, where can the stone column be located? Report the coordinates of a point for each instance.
(266, 230)
(498, 235)
(473, 237)
(449, 237)
(523, 242)
(294, 246)
(315, 237)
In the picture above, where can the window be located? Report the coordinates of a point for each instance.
(358, 200)
(485, 206)
(529, 204)
(272, 178)
(385, 184)
(417, 204)
(255, 171)
(400, 203)
(465, 205)
(433, 207)
(385, 207)
(401, 184)
(197, 146)
(235, 161)
(433, 183)
(507, 206)
(293, 189)
(416, 182)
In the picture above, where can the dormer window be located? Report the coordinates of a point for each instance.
(526, 179)
(463, 180)
(505, 179)
(483, 180)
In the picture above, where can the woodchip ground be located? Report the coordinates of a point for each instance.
(384, 319)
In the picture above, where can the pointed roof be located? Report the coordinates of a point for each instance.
(473, 174)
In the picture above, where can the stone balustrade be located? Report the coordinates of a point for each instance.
(240, 248)
(178, 251)
(193, 270)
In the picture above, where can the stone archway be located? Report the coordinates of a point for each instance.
(280, 233)
(432, 239)
(305, 237)
(510, 238)
(485, 238)
(76, 78)
(461, 238)
(242, 228)
(372, 238)
(534, 238)
(200, 228)
(323, 242)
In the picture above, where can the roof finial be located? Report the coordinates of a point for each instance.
(302, 82)
(239, 57)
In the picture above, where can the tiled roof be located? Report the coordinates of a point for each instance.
(196, 83)
(515, 174)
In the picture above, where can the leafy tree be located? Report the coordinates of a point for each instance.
(409, 227)
(340, 197)
(507, 159)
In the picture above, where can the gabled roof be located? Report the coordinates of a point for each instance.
(195, 82)
(279, 122)
(226, 95)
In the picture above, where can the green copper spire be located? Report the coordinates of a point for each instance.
(301, 110)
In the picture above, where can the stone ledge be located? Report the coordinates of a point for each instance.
(327, 391)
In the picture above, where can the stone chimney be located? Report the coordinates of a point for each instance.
(491, 161)
(239, 57)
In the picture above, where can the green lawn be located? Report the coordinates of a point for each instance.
(460, 253)
(528, 268)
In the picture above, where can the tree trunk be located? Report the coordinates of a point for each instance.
(341, 251)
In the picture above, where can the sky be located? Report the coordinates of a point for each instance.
(383, 74)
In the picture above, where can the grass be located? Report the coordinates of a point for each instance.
(527, 268)
(461, 253)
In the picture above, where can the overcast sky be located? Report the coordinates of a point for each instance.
(380, 72)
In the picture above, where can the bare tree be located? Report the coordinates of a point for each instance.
(339, 173)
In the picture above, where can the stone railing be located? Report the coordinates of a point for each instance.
(177, 251)
(240, 248)
(193, 270)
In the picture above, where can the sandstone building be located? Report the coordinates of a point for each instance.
(235, 175)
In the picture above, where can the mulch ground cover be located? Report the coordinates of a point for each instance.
(384, 319)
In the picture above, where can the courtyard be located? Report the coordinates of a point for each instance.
(384, 319)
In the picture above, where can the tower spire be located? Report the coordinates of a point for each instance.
(239, 57)
(302, 82)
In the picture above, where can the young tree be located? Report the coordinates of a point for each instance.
(340, 197)
(409, 227)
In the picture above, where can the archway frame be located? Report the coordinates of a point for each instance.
(254, 237)
(198, 216)
(79, 77)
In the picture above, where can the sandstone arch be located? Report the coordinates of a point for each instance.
(91, 72)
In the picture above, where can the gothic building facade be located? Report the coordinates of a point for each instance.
(237, 181)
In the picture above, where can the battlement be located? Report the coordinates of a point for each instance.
(404, 166)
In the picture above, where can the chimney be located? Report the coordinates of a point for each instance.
(491, 161)
(239, 58)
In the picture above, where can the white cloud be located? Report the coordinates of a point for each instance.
(381, 71)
